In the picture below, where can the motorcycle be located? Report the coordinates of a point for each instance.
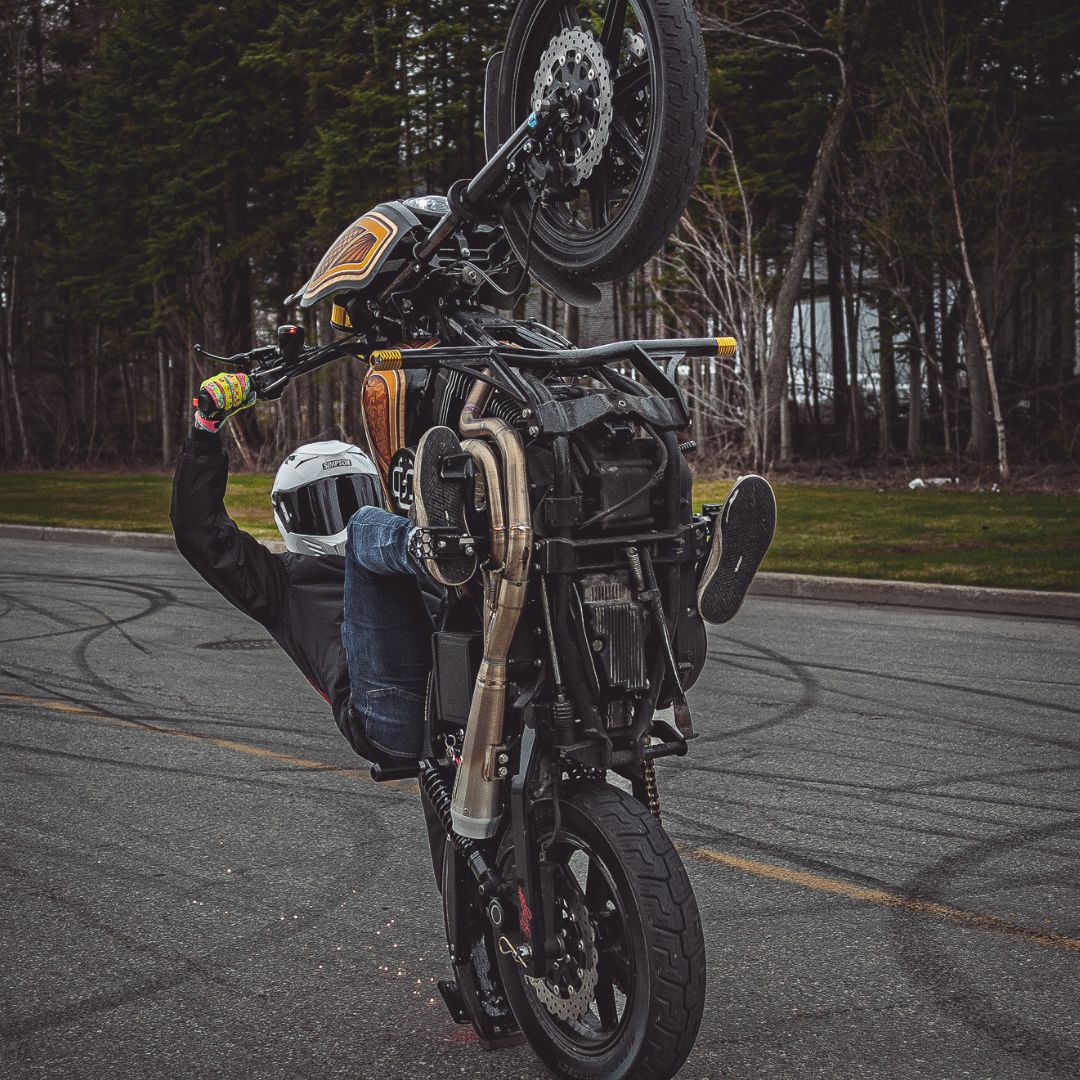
(569, 916)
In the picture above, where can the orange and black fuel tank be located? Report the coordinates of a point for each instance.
(375, 243)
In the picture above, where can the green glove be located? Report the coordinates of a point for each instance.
(222, 396)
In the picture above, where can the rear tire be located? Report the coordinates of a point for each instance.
(649, 947)
(677, 99)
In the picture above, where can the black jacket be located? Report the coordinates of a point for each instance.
(298, 598)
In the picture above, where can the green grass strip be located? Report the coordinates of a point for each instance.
(962, 538)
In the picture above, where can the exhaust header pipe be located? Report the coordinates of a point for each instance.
(476, 805)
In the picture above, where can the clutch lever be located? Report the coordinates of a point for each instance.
(238, 359)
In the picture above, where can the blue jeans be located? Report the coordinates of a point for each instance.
(386, 632)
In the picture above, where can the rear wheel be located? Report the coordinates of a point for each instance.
(633, 72)
(626, 998)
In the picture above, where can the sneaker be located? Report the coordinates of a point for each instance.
(743, 533)
(439, 504)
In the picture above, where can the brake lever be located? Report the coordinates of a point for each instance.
(198, 350)
(238, 358)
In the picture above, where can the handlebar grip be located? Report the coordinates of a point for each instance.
(209, 407)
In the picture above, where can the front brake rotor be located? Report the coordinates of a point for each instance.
(575, 75)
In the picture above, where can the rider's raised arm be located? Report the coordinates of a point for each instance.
(229, 559)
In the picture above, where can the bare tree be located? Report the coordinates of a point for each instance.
(713, 274)
(16, 33)
(791, 28)
(931, 96)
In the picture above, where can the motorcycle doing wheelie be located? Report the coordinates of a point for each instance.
(560, 672)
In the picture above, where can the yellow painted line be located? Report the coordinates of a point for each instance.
(247, 749)
(912, 904)
(800, 878)
(56, 706)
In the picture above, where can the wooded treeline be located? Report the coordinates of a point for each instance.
(883, 179)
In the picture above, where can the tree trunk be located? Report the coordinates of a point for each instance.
(914, 430)
(791, 283)
(950, 362)
(887, 369)
(814, 387)
(979, 444)
(933, 385)
(836, 330)
(326, 406)
(19, 35)
(163, 401)
(976, 304)
(852, 321)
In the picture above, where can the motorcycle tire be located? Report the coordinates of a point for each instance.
(647, 944)
(611, 247)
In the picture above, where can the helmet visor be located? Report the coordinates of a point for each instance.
(324, 507)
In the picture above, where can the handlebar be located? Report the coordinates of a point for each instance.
(279, 367)
(565, 360)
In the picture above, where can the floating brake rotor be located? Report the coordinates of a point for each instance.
(568, 988)
(575, 74)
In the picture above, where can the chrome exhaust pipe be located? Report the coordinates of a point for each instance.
(488, 464)
(476, 805)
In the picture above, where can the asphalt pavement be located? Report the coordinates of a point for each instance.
(198, 879)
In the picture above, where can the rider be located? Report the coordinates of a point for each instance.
(350, 600)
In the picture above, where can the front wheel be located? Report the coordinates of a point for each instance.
(633, 74)
(625, 1000)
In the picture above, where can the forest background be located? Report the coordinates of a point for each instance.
(887, 219)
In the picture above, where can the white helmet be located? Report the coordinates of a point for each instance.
(317, 489)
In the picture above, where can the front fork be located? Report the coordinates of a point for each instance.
(534, 883)
(519, 908)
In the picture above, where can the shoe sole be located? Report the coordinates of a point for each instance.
(439, 504)
(744, 531)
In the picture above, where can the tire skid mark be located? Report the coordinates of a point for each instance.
(972, 725)
(204, 966)
(70, 688)
(29, 677)
(796, 673)
(929, 966)
(267, 779)
(820, 817)
(804, 879)
(236, 746)
(156, 599)
(72, 601)
(852, 789)
(932, 684)
(899, 901)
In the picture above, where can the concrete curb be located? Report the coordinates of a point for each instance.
(135, 541)
(837, 590)
(967, 598)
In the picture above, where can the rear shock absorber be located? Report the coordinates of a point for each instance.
(438, 794)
